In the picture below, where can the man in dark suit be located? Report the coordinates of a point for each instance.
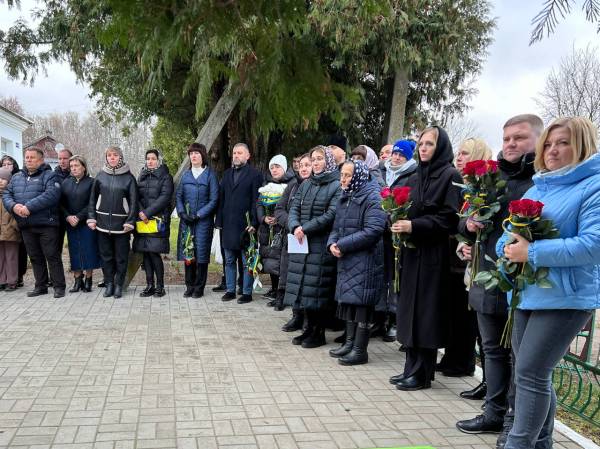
(238, 195)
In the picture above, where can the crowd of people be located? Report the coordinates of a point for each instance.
(331, 252)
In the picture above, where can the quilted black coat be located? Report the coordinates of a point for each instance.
(358, 230)
(282, 214)
(311, 277)
(155, 193)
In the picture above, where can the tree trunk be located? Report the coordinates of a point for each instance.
(207, 136)
(397, 110)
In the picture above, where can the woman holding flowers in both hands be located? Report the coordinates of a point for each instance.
(356, 241)
(424, 299)
(547, 319)
(271, 233)
(196, 201)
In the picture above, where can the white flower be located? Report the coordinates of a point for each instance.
(272, 188)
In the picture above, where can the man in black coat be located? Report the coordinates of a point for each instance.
(516, 167)
(238, 194)
(32, 196)
(62, 171)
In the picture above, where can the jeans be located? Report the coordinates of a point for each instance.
(497, 364)
(540, 339)
(231, 257)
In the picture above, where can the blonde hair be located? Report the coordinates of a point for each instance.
(477, 148)
(431, 129)
(584, 140)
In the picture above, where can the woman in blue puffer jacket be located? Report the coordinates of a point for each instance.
(356, 240)
(547, 320)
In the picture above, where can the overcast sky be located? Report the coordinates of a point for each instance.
(512, 75)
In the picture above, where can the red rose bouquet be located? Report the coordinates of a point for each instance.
(526, 220)
(396, 203)
(482, 192)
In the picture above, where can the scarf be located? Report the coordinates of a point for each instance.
(330, 165)
(393, 172)
(360, 177)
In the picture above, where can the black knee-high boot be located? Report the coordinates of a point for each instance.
(308, 327)
(317, 337)
(358, 355)
(348, 343)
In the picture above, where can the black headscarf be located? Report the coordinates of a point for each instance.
(442, 157)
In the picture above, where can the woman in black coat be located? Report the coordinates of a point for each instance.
(270, 231)
(11, 164)
(155, 192)
(112, 212)
(424, 298)
(311, 277)
(82, 241)
(282, 215)
(356, 242)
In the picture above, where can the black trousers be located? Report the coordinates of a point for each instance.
(196, 276)
(114, 251)
(154, 267)
(420, 362)
(274, 281)
(41, 245)
(498, 365)
(22, 260)
(460, 351)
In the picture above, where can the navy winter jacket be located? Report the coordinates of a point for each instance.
(358, 229)
(201, 196)
(39, 191)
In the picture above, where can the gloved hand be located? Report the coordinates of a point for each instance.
(187, 218)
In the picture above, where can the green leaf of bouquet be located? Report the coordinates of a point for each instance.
(489, 259)
(542, 273)
(483, 277)
(491, 284)
(501, 184)
(544, 283)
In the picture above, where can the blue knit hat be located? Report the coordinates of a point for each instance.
(405, 147)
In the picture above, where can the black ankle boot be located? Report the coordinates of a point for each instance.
(87, 284)
(118, 291)
(359, 354)
(315, 339)
(159, 292)
(148, 291)
(348, 343)
(295, 322)
(109, 289)
(78, 284)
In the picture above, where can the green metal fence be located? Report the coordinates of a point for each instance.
(577, 380)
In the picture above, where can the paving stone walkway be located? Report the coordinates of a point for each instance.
(85, 372)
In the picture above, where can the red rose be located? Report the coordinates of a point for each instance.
(401, 195)
(475, 168)
(385, 192)
(492, 166)
(526, 208)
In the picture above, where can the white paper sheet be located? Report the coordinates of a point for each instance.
(295, 247)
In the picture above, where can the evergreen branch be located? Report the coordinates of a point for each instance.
(546, 20)
(592, 10)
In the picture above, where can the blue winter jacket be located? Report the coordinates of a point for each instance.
(572, 201)
(40, 192)
(201, 195)
(358, 230)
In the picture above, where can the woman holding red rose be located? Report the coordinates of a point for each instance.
(424, 299)
(567, 186)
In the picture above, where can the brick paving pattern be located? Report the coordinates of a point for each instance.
(86, 372)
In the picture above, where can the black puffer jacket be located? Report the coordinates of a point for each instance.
(75, 197)
(282, 214)
(113, 201)
(271, 254)
(311, 277)
(358, 230)
(518, 180)
(39, 191)
(155, 192)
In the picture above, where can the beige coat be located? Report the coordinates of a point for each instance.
(9, 231)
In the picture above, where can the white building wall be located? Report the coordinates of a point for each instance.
(11, 136)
